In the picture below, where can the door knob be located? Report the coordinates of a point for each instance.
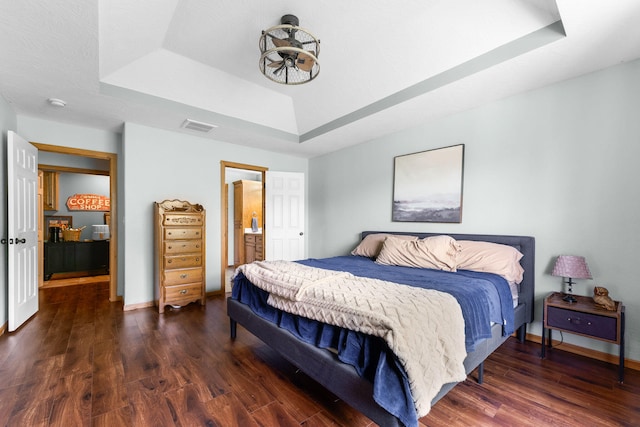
(301, 233)
(3, 241)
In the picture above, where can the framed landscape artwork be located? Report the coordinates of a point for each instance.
(427, 186)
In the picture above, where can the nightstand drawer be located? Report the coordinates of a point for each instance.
(583, 323)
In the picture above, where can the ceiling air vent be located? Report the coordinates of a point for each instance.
(198, 126)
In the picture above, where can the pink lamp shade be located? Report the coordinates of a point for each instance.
(571, 266)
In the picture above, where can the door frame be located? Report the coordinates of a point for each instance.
(113, 193)
(224, 223)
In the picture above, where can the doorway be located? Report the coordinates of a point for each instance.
(111, 159)
(227, 170)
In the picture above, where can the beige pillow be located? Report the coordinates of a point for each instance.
(438, 252)
(491, 258)
(371, 245)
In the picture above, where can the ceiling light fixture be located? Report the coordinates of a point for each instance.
(289, 54)
(57, 102)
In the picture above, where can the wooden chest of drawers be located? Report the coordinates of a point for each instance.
(252, 247)
(180, 253)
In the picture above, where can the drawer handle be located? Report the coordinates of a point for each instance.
(184, 291)
(184, 276)
(197, 259)
(577, 321)
(170, 247)
(169, 262)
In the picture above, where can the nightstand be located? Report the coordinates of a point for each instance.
(584, 318)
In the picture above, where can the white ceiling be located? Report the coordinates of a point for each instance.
(385, 65)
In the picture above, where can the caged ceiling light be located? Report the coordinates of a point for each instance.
(288, 53)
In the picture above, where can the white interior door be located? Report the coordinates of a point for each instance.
(22, 265)
(284, 216)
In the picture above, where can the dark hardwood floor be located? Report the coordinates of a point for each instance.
(83, 361)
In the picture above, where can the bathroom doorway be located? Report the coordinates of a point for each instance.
(229, 173)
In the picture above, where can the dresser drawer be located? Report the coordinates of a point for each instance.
(187, 275)
(183, 219)
(186, 292)
(182, 233)
(182, 261)
(253, 238)
(182, 246)
(583, 323)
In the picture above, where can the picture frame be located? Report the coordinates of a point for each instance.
(427, 186)
(57, 220)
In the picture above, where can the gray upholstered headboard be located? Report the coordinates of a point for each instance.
(525, 244)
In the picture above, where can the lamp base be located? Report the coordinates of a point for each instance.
(569, 298)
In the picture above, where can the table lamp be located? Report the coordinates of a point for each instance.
(571, 267)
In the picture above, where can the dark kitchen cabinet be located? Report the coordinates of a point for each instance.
(67, 257)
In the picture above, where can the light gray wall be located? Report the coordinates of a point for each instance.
(8, 121)
(161, 165)
(559, 164)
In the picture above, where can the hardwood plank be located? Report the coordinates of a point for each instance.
(8, 397)
(106, 399)
(72, 401)
(227, 410)
(147, 404)
(37, 414)
(274, 414)
(41, 384)
(79, 354)
(187, 408)
(117, 417)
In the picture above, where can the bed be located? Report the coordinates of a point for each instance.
(324, 364)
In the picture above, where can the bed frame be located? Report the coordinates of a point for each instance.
(342, 380)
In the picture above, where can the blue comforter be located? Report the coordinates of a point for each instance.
(483, 297)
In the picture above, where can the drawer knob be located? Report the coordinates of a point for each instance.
(169, 262)
(184, 291)
(183, 276)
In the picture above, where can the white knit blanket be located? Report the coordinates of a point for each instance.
(423, 327)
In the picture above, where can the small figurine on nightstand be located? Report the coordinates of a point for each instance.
(602, 299)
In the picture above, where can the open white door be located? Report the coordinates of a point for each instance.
(284, 216)
(22, 266)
